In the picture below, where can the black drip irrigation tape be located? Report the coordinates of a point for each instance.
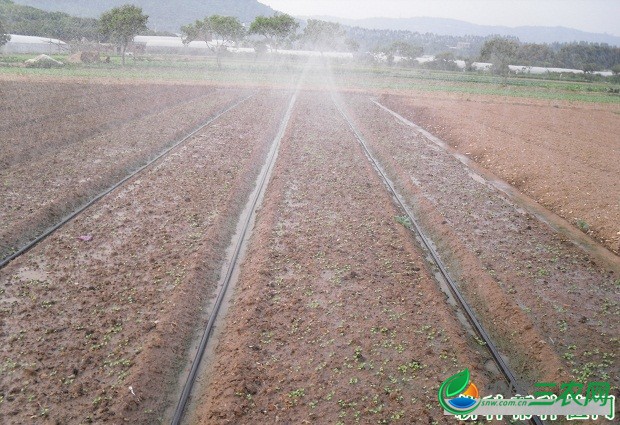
(84, 207)
(232, 265)
(428, 245)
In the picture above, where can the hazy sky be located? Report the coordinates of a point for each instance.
(587, 15)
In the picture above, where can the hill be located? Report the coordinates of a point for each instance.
(163, 15)
(454, 27)
(28, 20)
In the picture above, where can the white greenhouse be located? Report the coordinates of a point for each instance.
(30, 44)
(158, 44)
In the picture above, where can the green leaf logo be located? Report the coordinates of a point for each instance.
(456, 384)
(452, 388)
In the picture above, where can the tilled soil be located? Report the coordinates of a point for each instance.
(41, 117)
(97, 319)
(563, 155)
(56, 158)
(335, 317)
(548, 304)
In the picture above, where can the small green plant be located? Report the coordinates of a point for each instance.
(404, 220)
(297, 393)
(583, 225)
(563, 325)
(480, 341)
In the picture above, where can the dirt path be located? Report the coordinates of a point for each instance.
(335, 318)
(96, 320)
(546, 303)
(564, 156)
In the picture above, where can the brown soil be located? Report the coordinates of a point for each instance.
(39, 118)
(547, 303)
(82, 321)
(564, 156)
(63, 143)
(335, 317)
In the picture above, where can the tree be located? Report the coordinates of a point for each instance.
(323, 35)
(276, 29)
(589, 68)
(352, 45)
(444, 61)
(219, 32)
(26, 20)
(500, 52)
(122, 24)
(616, 69)
(406, 51)
(532, 54)
(4, 37)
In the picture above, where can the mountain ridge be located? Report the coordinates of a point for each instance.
(455, 27)
(170, 16)
(163, 15)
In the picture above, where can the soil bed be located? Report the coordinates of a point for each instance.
(335, 318)
(56, 161)
(97, 319)
(565, 156)
(548, 305)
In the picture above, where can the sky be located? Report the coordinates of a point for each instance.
(585, 15)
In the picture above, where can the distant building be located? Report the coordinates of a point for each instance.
(30, 44)
(159, 44)
(461, 45)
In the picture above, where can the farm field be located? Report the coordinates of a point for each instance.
(336, 313)
(501, 253)
(335, 317)
(565, 156)
(83, 319)
(64, 142)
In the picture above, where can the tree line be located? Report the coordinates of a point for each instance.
(26, 20)
(120, 24)
(589, 57)
(273, 32)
